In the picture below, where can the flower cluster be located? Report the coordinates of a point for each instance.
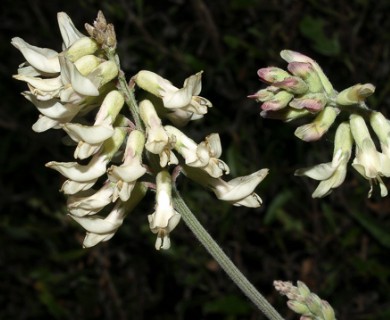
(304, 302)
(116, 152)
(302, 91)
(305, 91)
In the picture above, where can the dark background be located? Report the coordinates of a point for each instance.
(339, 245)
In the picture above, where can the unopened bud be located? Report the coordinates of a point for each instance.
(294, 85)
(321, 124)
(298, 307)
(87, 64)
(104, 73)
(111, 105)
(272, 74)
(313, 102)
(262, 95)
(278, 101)
(82, 47)
(286, 114)
(292, 56)
(314, 304)
(304, 291)
(327, 311)
(355, 94)
(149, 81)
(306, 71)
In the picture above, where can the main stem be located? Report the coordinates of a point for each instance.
(233, 272)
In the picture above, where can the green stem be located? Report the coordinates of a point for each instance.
(233, 272)
(129, 93)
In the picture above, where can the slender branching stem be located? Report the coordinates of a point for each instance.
(129, 93)
(226, 264)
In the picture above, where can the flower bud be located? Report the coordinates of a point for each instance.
(150, 82)
(262, 95)
(87, 64)
(286, 114)
(292, 56)
(306, 71)
(313, 102)
(314, 304)
(327, 311)
(80, 48)
(110, 108)
(272, 74)
(321, 124)
(112, 144)
(355, 94)
(298, 307)
(294, 85)
(279, 101)
(104, 73)
(303, 289)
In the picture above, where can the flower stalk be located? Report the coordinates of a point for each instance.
(223, 260)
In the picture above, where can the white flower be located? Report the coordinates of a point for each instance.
(81, 177)
(101, 229)
(186, 99)
(126, 175)
(165, 218)
(238, 191)
(370, 163)
(90, 204)
(45, 60)
(91, 138)
(332, 174)
(204, 155)
(41, 59)
(158, 141)
(381, 127)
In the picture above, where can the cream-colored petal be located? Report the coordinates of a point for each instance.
(92, 239)
(80, 173)
(128, 173)
(318, 172)
(44, 123)
(81, 206)
(68, 30)
(90, 134)
(53, 108)
(43, 59)
(44, 85)
(101, 225)
(73, 187)
(251, 201)
(80, 84)
(238, 188)
(85, 150)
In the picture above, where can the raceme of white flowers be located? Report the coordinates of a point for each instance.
(304, 91)
(78, 90)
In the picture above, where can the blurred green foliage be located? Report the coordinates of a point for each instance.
(339, 246)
